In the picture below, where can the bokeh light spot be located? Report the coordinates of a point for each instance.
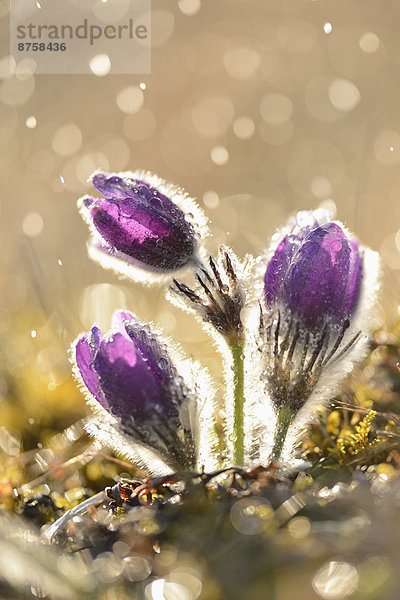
(100, 65)
(344, 95)
(130, 99)
(275, 109)
(220, 155)
(211, 199)
(335, 580)
(31, 122)
(33, 224)
(67, 140)
(212, 116)
(242, 62)
(189, 7)
(244, 127)
(369, 42)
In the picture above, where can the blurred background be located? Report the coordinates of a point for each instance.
(258, 109)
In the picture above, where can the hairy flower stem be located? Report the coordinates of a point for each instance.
(238, 386)
(286, 415)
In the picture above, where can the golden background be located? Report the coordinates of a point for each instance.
(258, 109)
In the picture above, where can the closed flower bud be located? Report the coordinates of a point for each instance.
(142, 223)
(320, 287)
(315, 273)
(140, 400)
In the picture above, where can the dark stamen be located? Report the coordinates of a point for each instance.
(345, 349)
(339, 339)
(293, 346)
(216, 273)
(184, 289)
(276, 348)
(318, 347)
(229, 268)
(206, 289)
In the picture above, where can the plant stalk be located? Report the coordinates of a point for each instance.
(238, 386)
(286, 415)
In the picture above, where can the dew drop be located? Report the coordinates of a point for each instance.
(163, 362)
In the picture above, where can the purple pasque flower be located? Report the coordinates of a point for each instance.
(128, 373)
(319, 290)
(316, 272)
(142, 222)
(312, 289)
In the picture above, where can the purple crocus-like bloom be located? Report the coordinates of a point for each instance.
(142, 221)
(314, 320)
(312, 288)
(129, 374)
(315, 272)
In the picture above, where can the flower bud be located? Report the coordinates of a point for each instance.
(130, 375)
(316, 272)
(141, 222)
(320, 289)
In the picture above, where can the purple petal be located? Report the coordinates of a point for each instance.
(316, 273)
(277, 269)
(94, 338)
(116, 189)
(144, 234)
(87, 202)
(154, 354)
(84, 359)
(118, 318)
(135, 381)
(111, 186)
(140, 222)
(126, 379)
(316, 280)
(354, 279)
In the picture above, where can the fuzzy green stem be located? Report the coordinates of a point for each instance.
(285, 418)
(238, 386)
